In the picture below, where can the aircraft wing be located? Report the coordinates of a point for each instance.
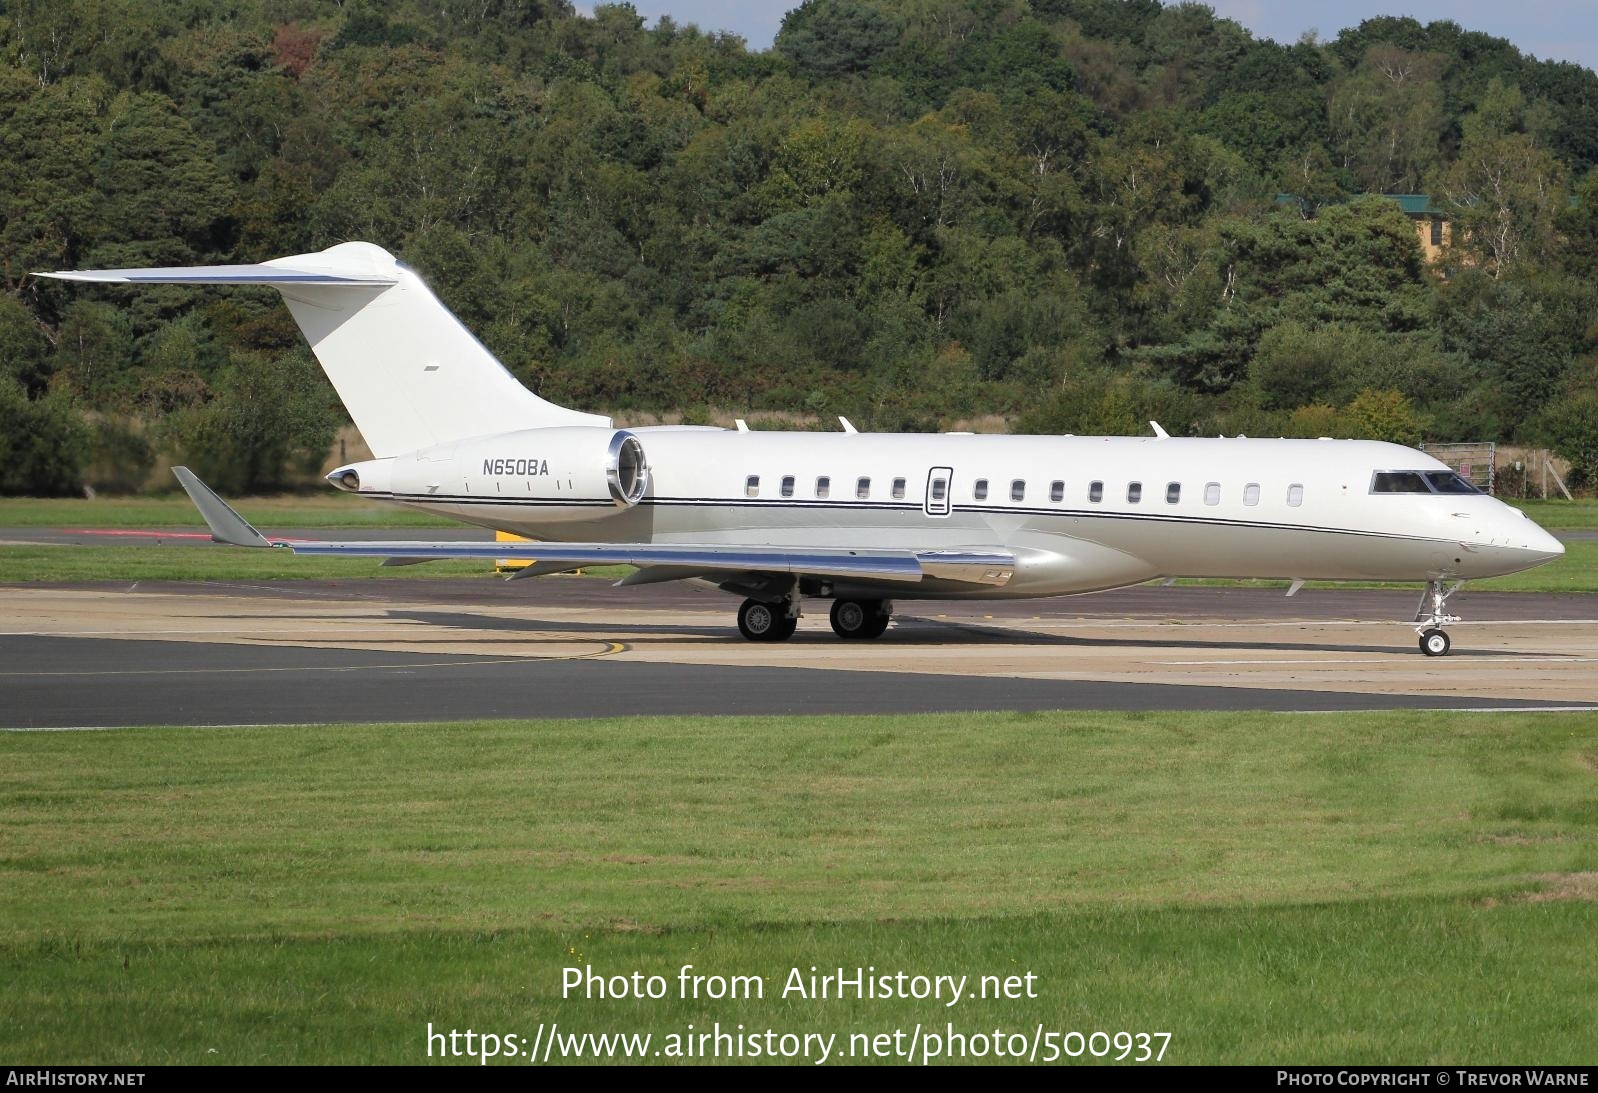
(983, 567)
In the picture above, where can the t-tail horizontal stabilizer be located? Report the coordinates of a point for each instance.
(409, 373)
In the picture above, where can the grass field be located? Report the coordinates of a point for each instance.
(130, 562)
(1581, 513)
(1267, 888)
(321, 510)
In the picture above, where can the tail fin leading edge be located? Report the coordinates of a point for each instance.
(409, 373)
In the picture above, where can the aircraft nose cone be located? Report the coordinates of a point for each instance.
(1543, 546)
(1550, 546)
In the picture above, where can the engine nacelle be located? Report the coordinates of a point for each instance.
(566, 473)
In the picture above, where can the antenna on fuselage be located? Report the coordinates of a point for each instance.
(848, 426)
(1159, 433)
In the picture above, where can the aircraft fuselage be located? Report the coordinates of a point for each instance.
(1080, 513)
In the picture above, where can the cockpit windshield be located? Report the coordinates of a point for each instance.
(1449, 482)
(1420, 482)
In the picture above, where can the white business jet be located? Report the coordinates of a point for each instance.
(855, 518)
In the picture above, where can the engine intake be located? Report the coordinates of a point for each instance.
(626, 474)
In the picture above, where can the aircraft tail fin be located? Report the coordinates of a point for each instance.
(409, 373)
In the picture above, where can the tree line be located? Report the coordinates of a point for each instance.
(912, 212)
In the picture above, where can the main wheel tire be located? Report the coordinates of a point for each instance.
(760, 621)
(857, 620)
(1434, 643)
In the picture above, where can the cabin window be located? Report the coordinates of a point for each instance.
(823, 486)
(1295, 495)
(1251, 493)
(1173, 492)
(787, 485)
(1095, 492)
(1212, 493)
(752, 486)
(979, 489)
(1056, 491)
(862, 489)
(1018, 490)
(898, 489)
(940, 488)
(1134, 492)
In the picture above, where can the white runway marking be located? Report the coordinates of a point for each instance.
(1268, 624)
(1338, 661)
(1462, 709)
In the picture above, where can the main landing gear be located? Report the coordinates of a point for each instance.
(860, 620)
(776, 620)
(1430, 617)
(762, 621)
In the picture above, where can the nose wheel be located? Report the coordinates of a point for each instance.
(761, 621)
(1431, 617)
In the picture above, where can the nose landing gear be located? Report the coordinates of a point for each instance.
(1430, 618)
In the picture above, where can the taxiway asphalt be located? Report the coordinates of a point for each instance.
(204, 653)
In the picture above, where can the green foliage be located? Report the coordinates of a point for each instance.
(1316, 420)
(41, 443)
(1384, 415)
(1505, 190)
(1091, 403)
(1570, 427)
(269, 423)
(1388, 116)
(119, 457)
(1522, 336)
(23, 346)
(94, 353)
(836, 37)
(1006, 196)
(1301, 366)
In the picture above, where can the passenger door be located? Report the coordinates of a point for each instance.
(940, 482)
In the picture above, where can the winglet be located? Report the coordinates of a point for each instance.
(226, 525)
